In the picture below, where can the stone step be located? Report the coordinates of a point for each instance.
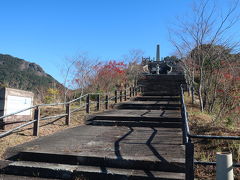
(156, 98)
(139, 114)
(150, 106)
(134, 123)
(63, 171)
(146, 107)
(149, 148)
(152, 102)
(69, 159)
(159, 93)
(163, 77)
(162, 90)
(20, 177)
(166, 85)
(162, 84)
(132, 118)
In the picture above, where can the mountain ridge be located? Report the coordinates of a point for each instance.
(21, 74)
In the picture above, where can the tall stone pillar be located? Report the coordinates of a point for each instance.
(158, 53)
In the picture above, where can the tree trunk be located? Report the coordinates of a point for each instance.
(200, 97)
(189, 90)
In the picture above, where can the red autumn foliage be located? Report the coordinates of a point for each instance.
(111, 69)
(227, 76)
(220, 91)
(109, 75)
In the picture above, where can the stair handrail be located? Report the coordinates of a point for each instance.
(189, 145)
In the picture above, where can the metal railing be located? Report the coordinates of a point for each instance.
(119, 96)
(189, 145)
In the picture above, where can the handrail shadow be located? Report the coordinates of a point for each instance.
(155, 152)
(117, 143)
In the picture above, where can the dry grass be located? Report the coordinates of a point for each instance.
(205, 150)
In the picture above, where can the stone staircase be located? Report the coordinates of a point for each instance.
(140, 139)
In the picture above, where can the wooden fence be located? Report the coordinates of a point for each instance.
(119, 96)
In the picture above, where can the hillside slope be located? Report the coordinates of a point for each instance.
(21, 74)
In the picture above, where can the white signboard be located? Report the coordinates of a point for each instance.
(17, 103)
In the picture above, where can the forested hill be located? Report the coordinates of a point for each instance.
(21, 74)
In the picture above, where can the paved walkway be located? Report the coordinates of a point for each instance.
(139, 139)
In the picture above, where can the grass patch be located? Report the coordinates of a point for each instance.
(204, 123)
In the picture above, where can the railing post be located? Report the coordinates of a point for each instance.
(224, 168)
(116, 96)
(189, 161)
(36, 123)
(125, 95)
(106, 102)
(68, 116)
(2, 124)
(88, 104)
(183, 125)
(98, 102)
(183, 129)
(120, 95)
(184, 133)
(130, 92)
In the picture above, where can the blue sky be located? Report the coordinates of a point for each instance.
(49, 31)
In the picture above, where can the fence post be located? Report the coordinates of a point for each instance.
(98, 102)
(68, 116)
(106, 102)
(134, 93)
(189, 161)
(224, 168)
(125, 95)
(88, 104)
(130, 92)
(184, 133)
(2, 124)
(36, 123)
(120, 96)
(116, 96)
